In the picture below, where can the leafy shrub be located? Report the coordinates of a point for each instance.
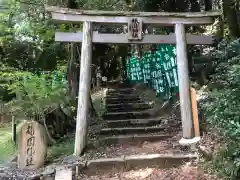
(223, 106)
(35, 94)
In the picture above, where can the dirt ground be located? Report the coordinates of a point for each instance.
(170, 145)
(185, 172)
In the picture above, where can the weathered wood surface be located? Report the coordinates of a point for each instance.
(195, 112)
(183, 76)
(161, 18)
(135, 27)
(84, 89)
(166, 21)
(123, 39)
(128, 13)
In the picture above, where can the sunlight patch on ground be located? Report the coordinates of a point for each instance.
(138, 174)
(98, 94)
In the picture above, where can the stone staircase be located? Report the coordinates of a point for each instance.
(132, 139)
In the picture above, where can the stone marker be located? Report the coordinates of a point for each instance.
(32, 149)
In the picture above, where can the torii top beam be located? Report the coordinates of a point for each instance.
(160, 18)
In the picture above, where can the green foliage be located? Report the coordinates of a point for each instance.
(26, 37)
(64, 147)
(8, 149)
(36, 94)
(222, 107)
(101, 4)
(222, 164)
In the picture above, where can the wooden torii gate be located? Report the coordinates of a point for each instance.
(135, 21)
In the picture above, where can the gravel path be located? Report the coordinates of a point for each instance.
(17, 174)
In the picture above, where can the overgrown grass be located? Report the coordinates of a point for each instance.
(7, 148)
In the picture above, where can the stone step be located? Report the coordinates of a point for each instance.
(191, 172)
(134, 138)
(132, 130)
(161, 129)
(121, 90)
(122, 96)
(126, 115)
(126, 109)
(124, 99)
(158, 145)
(128, 105)
(132, 162)
(123, 102)
(102, 150)
(124, 92)
(133, 123)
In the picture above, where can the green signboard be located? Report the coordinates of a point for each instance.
(157, 69)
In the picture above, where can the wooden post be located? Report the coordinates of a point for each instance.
(84, 89)
(183, 76)
(195, 112)
(14, 130)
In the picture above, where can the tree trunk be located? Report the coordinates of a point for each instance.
(71, 4)
(72, 71)
(208, 5)
(230, 14)
(73, 50)
(195, 7)
(92, 111)
(124, 67)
